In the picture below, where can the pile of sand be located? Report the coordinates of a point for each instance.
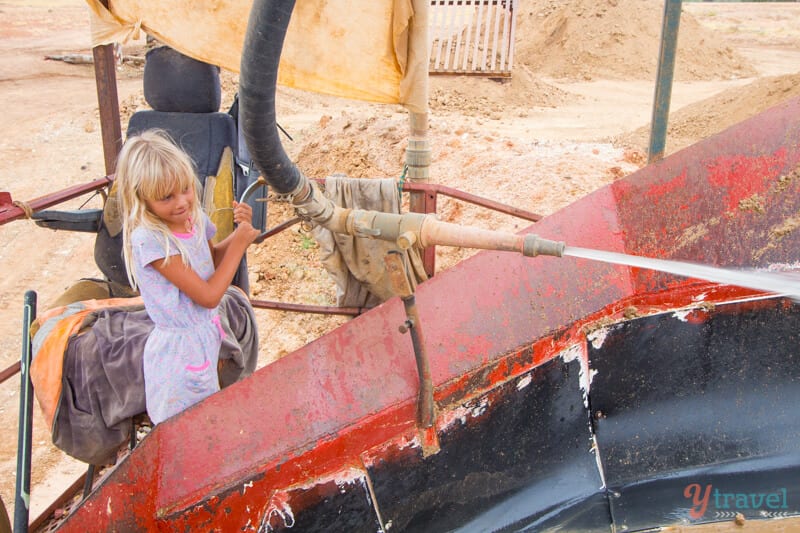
(359, 147)
(703, 119)
(476, 96)
(617, 39)
(583, 40)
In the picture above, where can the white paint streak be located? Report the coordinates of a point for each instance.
(524, 381)
(283, 511)
(700, 297)
(400, 443)
(462, 412)
(479, 409)
(447, 418)
(681, 314)
(598, 460)
(585, 375)
(571, 353)
(597, 337)
(279, 507)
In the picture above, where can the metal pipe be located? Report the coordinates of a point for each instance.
(425, 404)
(313, 309)
(105, 76)
(429, 231)
(413, 325)
(666, 69)
(10, 371)
(22, 493)
(89, 480)
(472, 199)
(10, 211)
(418, 152)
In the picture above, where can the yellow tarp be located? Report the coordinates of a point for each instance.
(373, 50)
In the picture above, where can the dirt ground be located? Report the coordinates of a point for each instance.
(573, 118)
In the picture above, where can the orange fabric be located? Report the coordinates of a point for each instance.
(48, 363)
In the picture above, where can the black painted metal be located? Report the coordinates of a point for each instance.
(519, 459)
(332, 506)
(709, 400)
(22, 492)
(682, 406)
(666, 69)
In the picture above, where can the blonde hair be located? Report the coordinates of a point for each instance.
(150, 166)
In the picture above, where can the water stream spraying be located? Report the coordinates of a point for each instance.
(778, 283)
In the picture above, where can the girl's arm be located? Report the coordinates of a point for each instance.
(208, 293)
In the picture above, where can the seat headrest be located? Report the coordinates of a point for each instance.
(177, 83)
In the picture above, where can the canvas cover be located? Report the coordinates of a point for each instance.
(373, 50)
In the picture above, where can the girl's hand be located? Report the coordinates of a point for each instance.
(242, 213)
(245, 232)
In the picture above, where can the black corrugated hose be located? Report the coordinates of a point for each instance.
(258, 78)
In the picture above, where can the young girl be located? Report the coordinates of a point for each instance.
(180, 274)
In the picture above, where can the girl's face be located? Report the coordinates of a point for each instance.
(175, 209)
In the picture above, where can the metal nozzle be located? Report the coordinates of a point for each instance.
(532, 246)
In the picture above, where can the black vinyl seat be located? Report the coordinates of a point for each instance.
(185, 97)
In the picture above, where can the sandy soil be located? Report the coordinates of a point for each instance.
(573, 118)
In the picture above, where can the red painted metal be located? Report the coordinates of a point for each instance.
(105, 74)
(303, 308)
(9, 371)
(348, 398)
(9, 211)
(59, 503)
(433, 189)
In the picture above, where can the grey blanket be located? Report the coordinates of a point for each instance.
(103, 379)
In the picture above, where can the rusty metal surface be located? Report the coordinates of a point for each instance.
(345, 399)
(307, 308)
(108, 103)
(433, 189)
(9, 371)
(9, 211)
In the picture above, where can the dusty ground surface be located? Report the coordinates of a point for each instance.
(573, 118)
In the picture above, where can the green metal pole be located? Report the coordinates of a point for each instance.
(22, 495)
(666, 69)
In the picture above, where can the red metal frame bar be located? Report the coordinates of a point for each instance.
(105, 75)
(10, 371)
(303, 308)
(9, 211)
(426, 195)
(59, 502)
(435, 189)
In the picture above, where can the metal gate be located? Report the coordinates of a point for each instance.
(472, 37)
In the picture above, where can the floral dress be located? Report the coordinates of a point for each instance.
(181, 353)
